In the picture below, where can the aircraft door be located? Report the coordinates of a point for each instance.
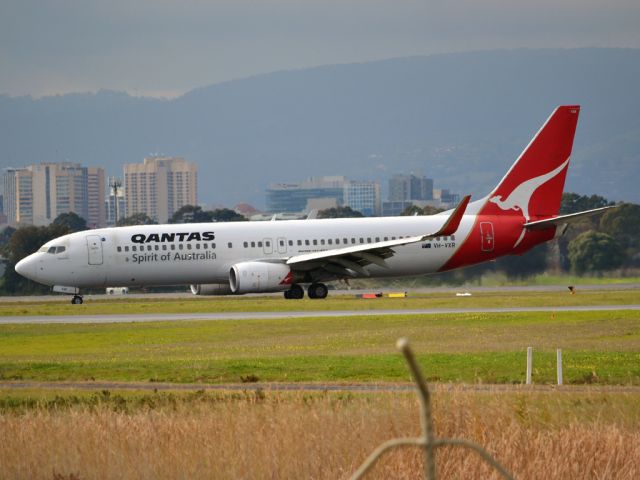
(282, 245)
(488, 239)
(94, 247)
(267, 246)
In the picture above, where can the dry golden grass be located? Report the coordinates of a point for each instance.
(297, 436)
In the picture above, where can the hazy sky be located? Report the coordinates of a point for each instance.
(166, 47)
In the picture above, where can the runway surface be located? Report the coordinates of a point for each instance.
(172, 317)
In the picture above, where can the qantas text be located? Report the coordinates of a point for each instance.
(172, 237)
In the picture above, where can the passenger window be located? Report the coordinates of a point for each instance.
(205, 246)
(180, 247)
(306, 242)
(267, 244)
(315, 242)
(230, 245)
(453, 238)
(344, 240)
(330, 242)
(213, 245)
(377, 239)
(197, 246)
(253, 244)
(368, 239)
(299, 243)
(291, 243)
(322, 241)
(126, 249)
(353, 240)
(119, 249)
(188, 246)
(281, 243)
(134, 248)
(386, 239)
(259, 244)
(246, 244)
(164, 246)
(173, 246)
(149, 247)
(157, 247)
(361, 240)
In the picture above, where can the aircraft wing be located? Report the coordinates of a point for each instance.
(345, 261)
(564, 219)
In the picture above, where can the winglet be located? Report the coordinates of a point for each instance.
(453, 222)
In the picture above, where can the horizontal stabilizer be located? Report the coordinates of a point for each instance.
(564, 219)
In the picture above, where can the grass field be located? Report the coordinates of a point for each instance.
(599, 347)
(68, 434)
(322, 436)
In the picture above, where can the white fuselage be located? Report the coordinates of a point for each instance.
(203, 253)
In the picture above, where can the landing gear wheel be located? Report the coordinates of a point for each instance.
(317, 290)
(76, 300)
(296, 292)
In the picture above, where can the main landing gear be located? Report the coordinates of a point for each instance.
(315, 290)
(76, 300)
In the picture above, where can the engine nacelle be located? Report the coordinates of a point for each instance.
(211, 289)
(258, 277)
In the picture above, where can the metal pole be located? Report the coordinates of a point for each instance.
(529, 364)
(559, 365)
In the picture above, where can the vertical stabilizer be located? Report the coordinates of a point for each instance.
(534, 184)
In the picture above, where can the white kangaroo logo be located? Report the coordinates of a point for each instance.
(520, 197)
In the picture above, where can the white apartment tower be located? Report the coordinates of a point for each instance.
(160, 186)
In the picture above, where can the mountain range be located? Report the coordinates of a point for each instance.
(460, 119)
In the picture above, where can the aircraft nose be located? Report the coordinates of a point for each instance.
(26, 267)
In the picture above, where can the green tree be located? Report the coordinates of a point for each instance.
(226, 215)
(137, 219)
(24, 242)
(594, 252)
(415, 210)
(573, 202)
(339, 212)
(521, 266)
(191, 214)
(623, 224)
(72, 221)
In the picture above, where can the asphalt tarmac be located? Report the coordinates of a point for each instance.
(172, 317)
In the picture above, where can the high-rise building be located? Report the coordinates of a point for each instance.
(363, 196)
(160, 186)
(37, 194)
(410, 187)
(96, 212)
(294, 197)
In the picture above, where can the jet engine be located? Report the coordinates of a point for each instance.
(258, 277)
(211, 289)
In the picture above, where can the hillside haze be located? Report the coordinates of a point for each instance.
(461, 119)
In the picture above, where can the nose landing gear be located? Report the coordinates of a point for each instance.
(76, 300)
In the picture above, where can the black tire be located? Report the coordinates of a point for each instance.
(318, 290)
(76, 300)
(296, 292)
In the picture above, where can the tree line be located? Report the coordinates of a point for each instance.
(593, 246)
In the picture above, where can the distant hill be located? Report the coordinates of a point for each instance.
(461, 119)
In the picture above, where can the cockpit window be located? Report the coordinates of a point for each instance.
(55, 250)
(60, 249)
(51, 250)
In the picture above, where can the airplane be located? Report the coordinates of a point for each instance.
(282, 256)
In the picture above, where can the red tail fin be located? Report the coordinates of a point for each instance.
(534, 184)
